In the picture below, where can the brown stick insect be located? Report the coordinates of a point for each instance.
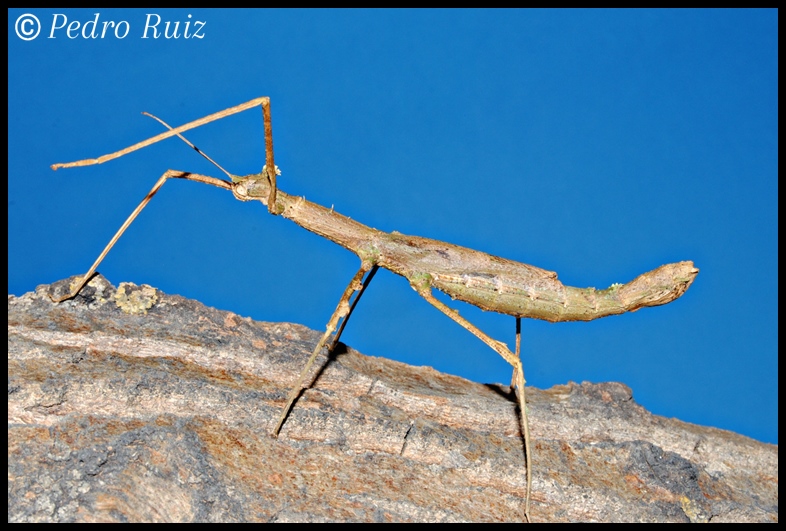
(488, 282)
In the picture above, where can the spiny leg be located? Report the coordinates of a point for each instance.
(169, 174)
(344, 309)
(503, 350)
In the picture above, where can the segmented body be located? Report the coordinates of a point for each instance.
(486, 281)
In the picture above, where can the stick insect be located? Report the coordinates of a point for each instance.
(489, 282)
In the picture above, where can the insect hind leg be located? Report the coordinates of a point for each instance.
(514, 359)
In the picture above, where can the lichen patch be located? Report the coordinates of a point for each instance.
(135, 300)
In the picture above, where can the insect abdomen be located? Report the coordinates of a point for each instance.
(549, 300)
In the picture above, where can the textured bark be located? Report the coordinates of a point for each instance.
(131, 405)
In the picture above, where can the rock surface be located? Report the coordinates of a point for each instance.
(131, 405)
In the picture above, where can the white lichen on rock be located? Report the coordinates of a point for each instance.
(135, 300)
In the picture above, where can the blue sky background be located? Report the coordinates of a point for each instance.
(598, 144)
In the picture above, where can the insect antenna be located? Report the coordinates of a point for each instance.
(184, 139)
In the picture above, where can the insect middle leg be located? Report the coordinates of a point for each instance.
(169, 174)
(503, 350)
(344, 309)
